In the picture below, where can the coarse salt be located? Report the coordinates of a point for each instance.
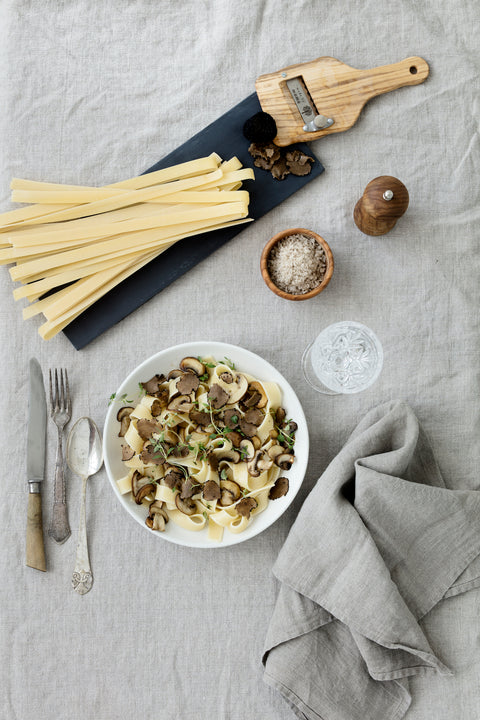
(297, 264)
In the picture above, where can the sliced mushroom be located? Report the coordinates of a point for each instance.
(260, 462)
(173, 374)
(231, 492)
(193, 365)
(226, 498)
(257, 443)
(280, 415)
(211, 490)
(231, 455)
(157, 516)
(239, 388)
(141, 486)
(187, 506)
(127, 452)
(162, 396)
(248, 429)
(284, 461)
(234, 437)
(146, 428)
(231, 418)
(246, 505)
(248, 449)
(290, 427)
(156, 407)
(152, 386)
(227, 377)
(279, 489)
(275, 450)
(232, 487)
(188, 383)
(181, 403)
(256, 386)
(217, 396)
(254, 416)
(251, 399)
(123, 417)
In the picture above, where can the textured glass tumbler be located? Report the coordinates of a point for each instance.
(346, 357)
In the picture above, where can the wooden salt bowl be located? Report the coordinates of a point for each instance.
(264, 264)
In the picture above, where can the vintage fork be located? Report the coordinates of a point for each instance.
(60, 411)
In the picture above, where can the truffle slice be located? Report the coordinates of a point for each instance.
(188, 383)
(245, 506)
(280, 488)
(298, 162)
(218, 396)
(280, 169)
(211, 490)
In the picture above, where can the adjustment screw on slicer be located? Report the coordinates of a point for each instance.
(384, 201)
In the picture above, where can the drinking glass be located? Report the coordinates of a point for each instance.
(345, 357)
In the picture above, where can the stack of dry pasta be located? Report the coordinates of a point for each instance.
(74, 243)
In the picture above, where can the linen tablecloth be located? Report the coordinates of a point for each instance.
(92, 93)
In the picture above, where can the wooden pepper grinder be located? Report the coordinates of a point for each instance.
(384, 200)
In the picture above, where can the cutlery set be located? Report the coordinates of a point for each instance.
(84, 457)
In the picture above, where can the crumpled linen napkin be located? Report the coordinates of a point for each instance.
(377, 544)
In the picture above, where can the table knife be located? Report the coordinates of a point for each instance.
(36, 435)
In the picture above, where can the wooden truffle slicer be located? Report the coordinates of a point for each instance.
(325, 96)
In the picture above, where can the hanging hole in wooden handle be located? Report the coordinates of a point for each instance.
(413, 70)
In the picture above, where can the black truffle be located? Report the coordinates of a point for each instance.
(260, 128)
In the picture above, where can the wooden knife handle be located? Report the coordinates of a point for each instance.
(35, 555)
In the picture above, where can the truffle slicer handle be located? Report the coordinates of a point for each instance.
(338, 91)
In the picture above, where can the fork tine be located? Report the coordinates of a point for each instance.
(51, 390)
(56, 390)
(67, 393)
(62, 391)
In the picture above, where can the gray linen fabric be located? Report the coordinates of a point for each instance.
(377, 544)
(94, 92)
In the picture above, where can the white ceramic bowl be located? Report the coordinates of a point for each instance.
(245, 361)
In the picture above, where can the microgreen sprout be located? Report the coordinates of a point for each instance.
(123, 399)
(230, 363)
(206, 363)
(243, 453)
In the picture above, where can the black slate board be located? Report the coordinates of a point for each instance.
(224, 136)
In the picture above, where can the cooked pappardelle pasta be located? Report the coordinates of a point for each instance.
(205, 447)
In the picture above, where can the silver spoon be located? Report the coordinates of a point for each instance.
(84, 457)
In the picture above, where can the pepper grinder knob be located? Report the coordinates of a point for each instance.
(384, 200)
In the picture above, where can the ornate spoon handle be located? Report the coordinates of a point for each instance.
(82, 578)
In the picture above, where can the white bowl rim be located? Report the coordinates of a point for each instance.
(203, 348)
